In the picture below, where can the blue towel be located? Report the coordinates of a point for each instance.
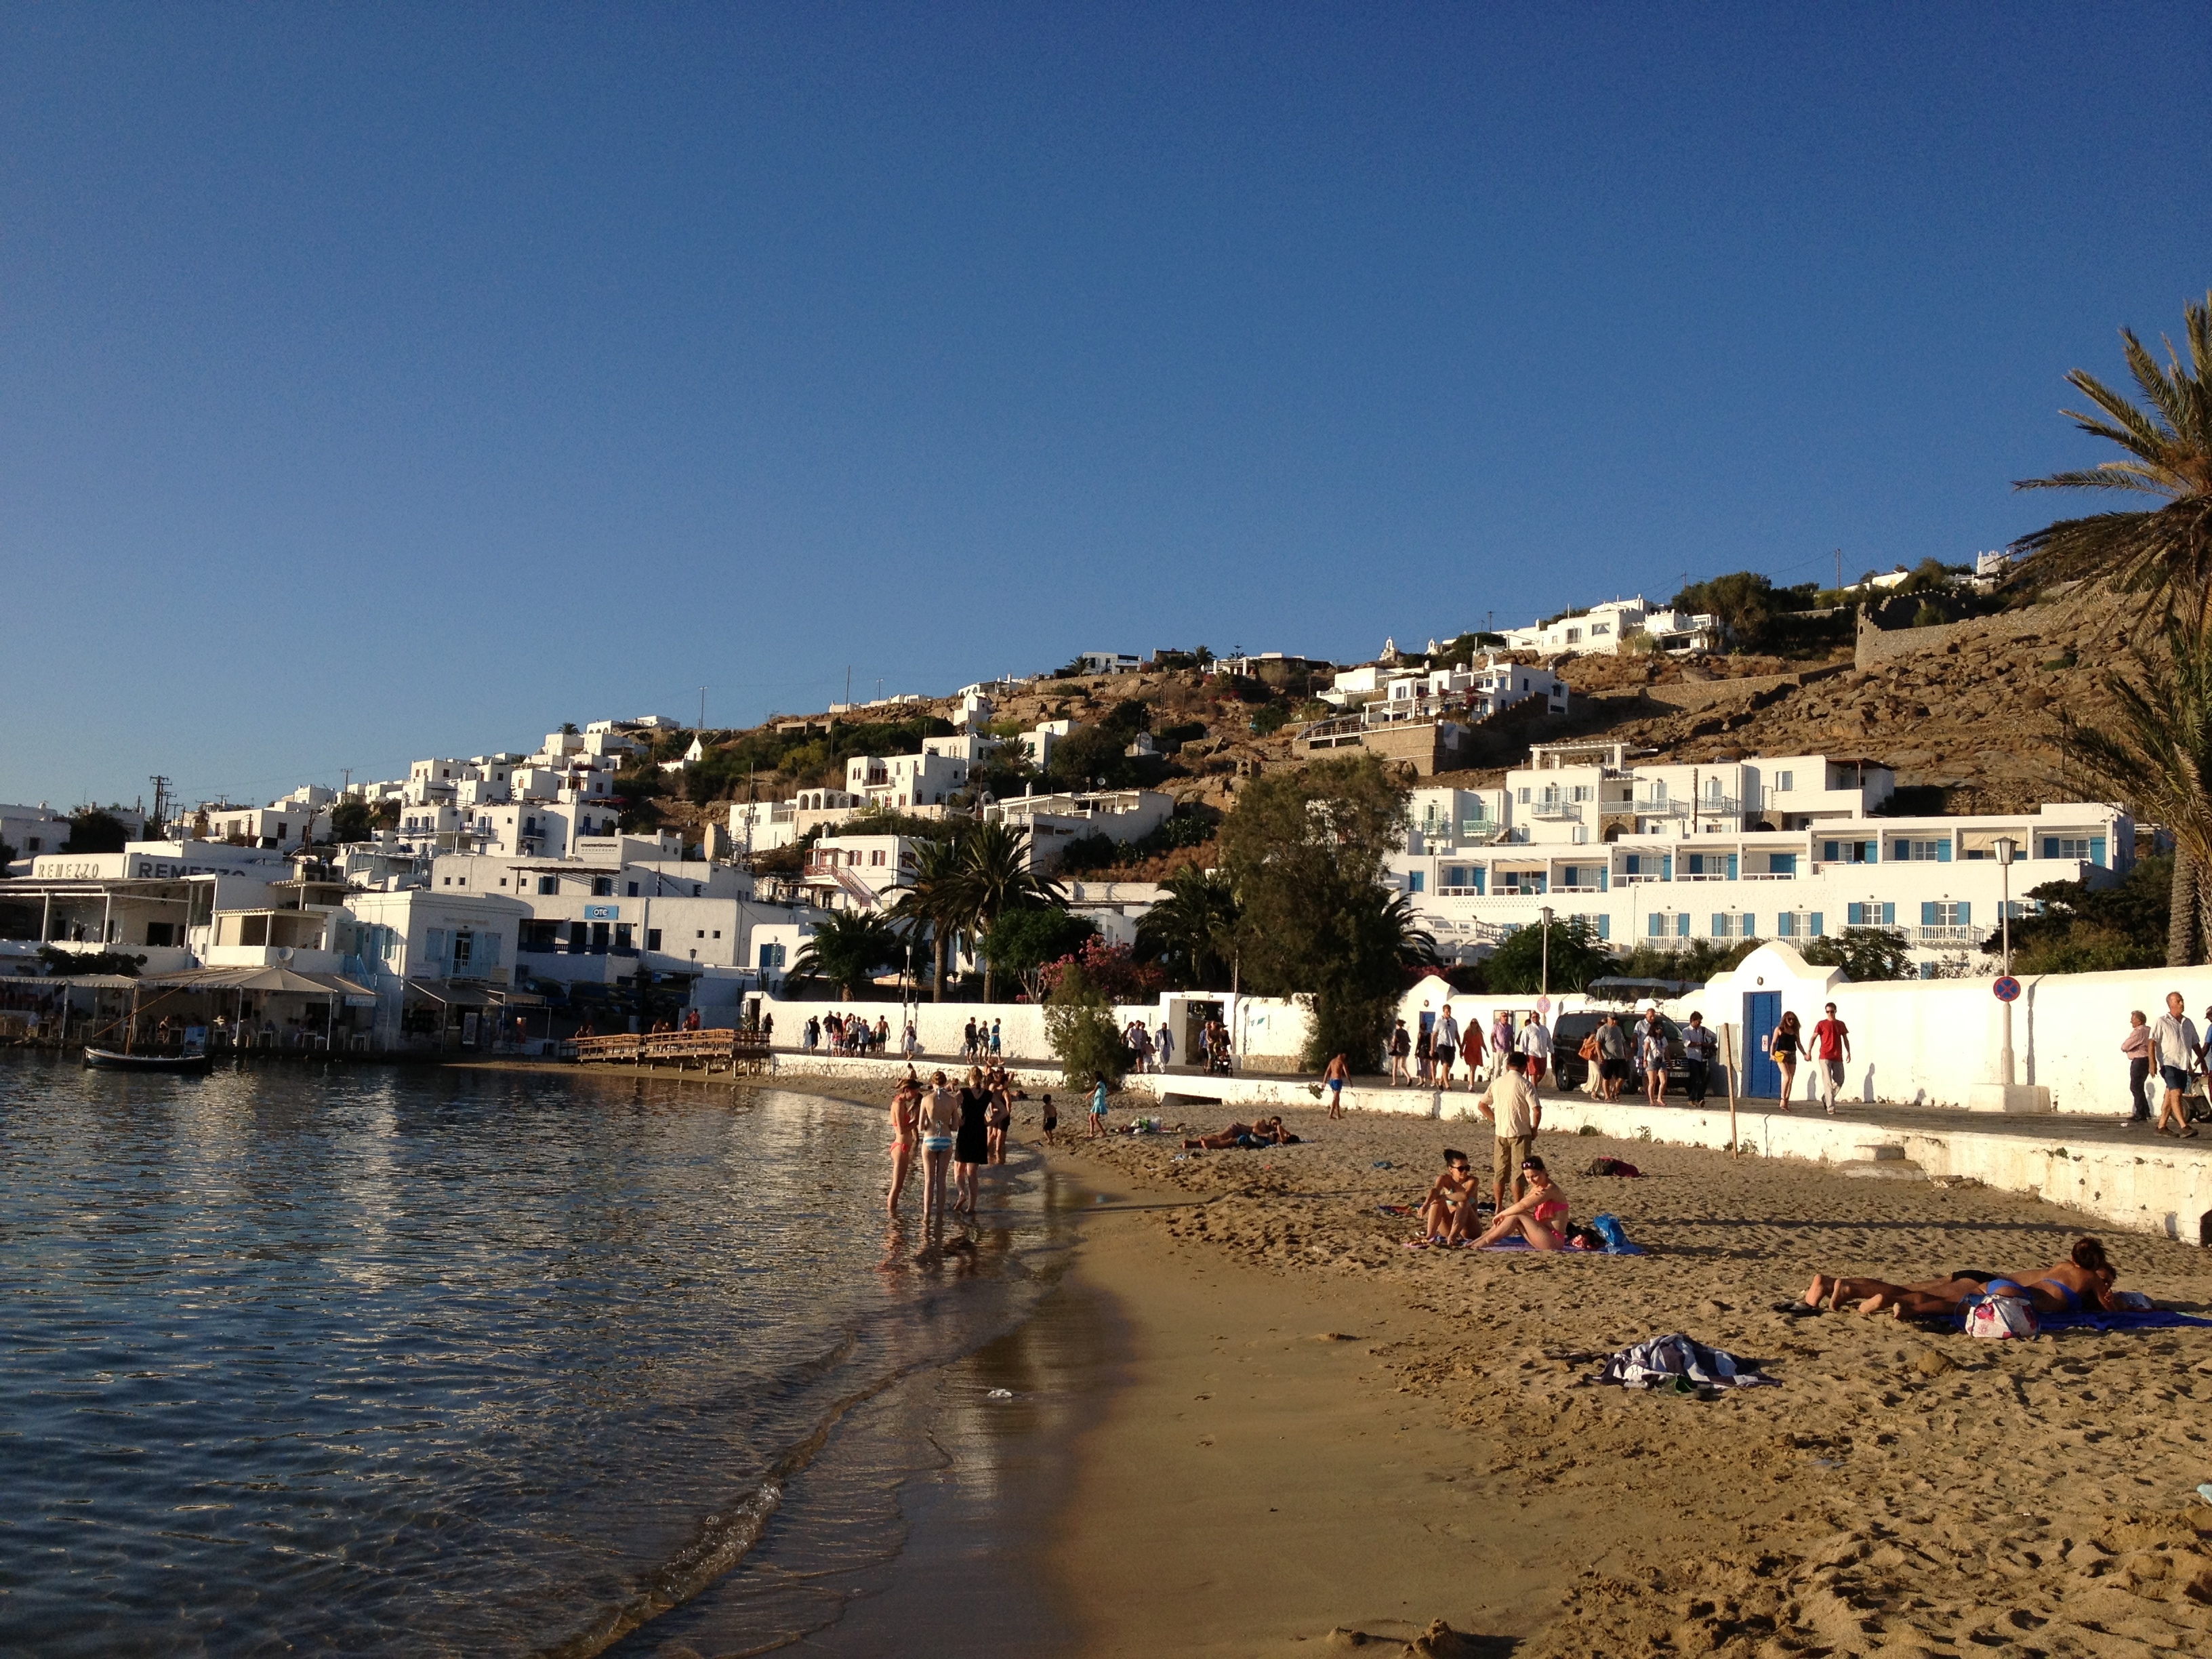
(2131, 1318)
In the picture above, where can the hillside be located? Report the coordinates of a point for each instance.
(1968, 715)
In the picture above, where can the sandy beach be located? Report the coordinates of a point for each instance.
(1319, 1439)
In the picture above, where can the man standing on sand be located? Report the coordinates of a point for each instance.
(1535, 1046)
(1832, 1047)
(1515, 1116)
(1698, 1048)
(1335, 1077)
(2173, 1037)
(1444, 1046)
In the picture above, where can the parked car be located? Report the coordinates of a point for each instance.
(1572, 1071)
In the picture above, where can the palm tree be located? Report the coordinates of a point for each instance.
(928, 904)
(846, 948)
(2163, 553)
(2156, 757)
(995, 875)
(1192, 930)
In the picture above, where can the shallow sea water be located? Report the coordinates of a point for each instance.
(382, 1361)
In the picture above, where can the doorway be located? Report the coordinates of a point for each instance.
(1762, 1013)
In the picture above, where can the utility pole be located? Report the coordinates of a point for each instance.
(702, 709)
(1840, 575)
(161, 801)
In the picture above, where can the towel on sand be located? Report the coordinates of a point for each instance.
(2129, 1319)
(1679, 1362)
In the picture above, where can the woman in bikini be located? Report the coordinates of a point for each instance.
(1538, 1215)
(906, 1136)
(940, 1121)
(1785, 1045)
(1448, 1213)
(2083, 1280)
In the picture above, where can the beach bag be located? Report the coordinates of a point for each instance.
(1589, 1051)
(1999, 1318)
(1608, 1227)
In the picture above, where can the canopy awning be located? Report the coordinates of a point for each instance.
(464, 995)
(272, 977)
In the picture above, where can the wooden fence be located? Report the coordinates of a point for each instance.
(712, 1051)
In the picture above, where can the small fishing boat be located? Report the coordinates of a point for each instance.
(112, 1060)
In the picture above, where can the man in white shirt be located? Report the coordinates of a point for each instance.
(1443, 1044)
(1534, 1044)
(2174, 1043)
(1516, 1114)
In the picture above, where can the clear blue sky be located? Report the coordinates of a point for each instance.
(385, 382)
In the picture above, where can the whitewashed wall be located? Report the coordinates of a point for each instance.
(1274, 1029)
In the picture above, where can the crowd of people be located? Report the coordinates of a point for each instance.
(835, 1033)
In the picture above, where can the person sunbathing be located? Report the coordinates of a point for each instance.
(1538, 1215)
(1267, 1132)
(1448, 1213)
(1928, 1299)
(2084, 1279)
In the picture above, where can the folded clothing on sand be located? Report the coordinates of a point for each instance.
(1611, 1166)
(1678, 1361)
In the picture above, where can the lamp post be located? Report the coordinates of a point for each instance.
(1545, 982)
(2004, 922)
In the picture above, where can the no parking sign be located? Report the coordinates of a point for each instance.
(2007, 989)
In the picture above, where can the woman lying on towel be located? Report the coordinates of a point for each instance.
(1267, 1132)
(2086, 1280)
(1539, 1215)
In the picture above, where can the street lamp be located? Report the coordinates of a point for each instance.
(2004, 920)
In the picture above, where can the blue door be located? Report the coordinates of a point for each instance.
(1762, 1013)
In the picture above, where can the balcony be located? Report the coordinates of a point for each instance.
(1557, 811)
(1703, 875)
(1940, 935)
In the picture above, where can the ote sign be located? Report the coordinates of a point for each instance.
(2007, 989)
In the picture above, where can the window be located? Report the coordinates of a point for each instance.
(2083, 850)
(1946, 912)
(1523, 796)
(632, 890)
(718, 932)
(622, 936)
(1781, 864)
(549, 884)
(1784, 782)
(602, 886)
(1850, 851)
(1583, 792)
(1870, 914)
(1416, 882)
(1922, 852)
(1732, 926)
(463, 949)
(771, 956)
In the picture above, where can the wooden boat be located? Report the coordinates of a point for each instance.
(111, 1060)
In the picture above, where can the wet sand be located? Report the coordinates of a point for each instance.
(1318, 1439)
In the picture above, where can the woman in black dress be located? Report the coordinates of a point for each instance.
(972, 1146)
(1785, 1045)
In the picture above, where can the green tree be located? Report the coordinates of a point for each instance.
(1745, 602)
(1192, 933)
(2081, 929)
(2155, 756)
(1022, 941)
(2163, 554)
(931, 904)
(1304, 853)
(1578, 956)
(351, 820)
(95, 831)
(1863, 954)
(1079, 1024)
(846, 948)
(992, 875)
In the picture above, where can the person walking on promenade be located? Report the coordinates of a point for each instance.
(1515, 1116)
(1401, 1045)
(1613, 1054)
(1832, 1047)
(1501, 1040)
(994, 1039)
(1534, 1043)
(1335, 1076)
(1163, 1046)
(1424, 1053)
(1651, 1053)
(1472, 1055)
(1698, 1048)
(2175, 1044)
(1444, 1050)
(1785, 1045)
(2137, 1046)
(911, 1043)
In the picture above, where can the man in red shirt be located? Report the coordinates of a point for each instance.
(1832, 1047)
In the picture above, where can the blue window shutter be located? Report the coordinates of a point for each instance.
(1815, 928)
(1965, 914)
(1750, 925)
(1605, 882)
(1874, 851)
(1828, 850)
(1943, 850)
(1927, 913)
(1634, 866)
(2097, 851)
(1889, 915)
(1682, 926)
(1658, 928)
(2050, 846)
(1720, 926)
(1605, 926)
(1416, 882)
(1855, 915)
(1732, 861)
(1783, 925)
(1481, 875)
(436, 946)
(1666, 866)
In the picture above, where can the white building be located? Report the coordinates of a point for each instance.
(1109, 662)
(859, 872)
(31, 830)
(1473, 693)
(269, 826)
(901, 782)
(1787, 847)
(763, 826)
(1120, 815)
(1606, 629)
(1038, 743)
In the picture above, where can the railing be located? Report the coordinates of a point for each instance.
(1564, 888)
(1561, 812)
(1948, 935)
(1768, 875)
(1703, 875)
(1637, 878)
(730, 1050)
(1459, 892)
